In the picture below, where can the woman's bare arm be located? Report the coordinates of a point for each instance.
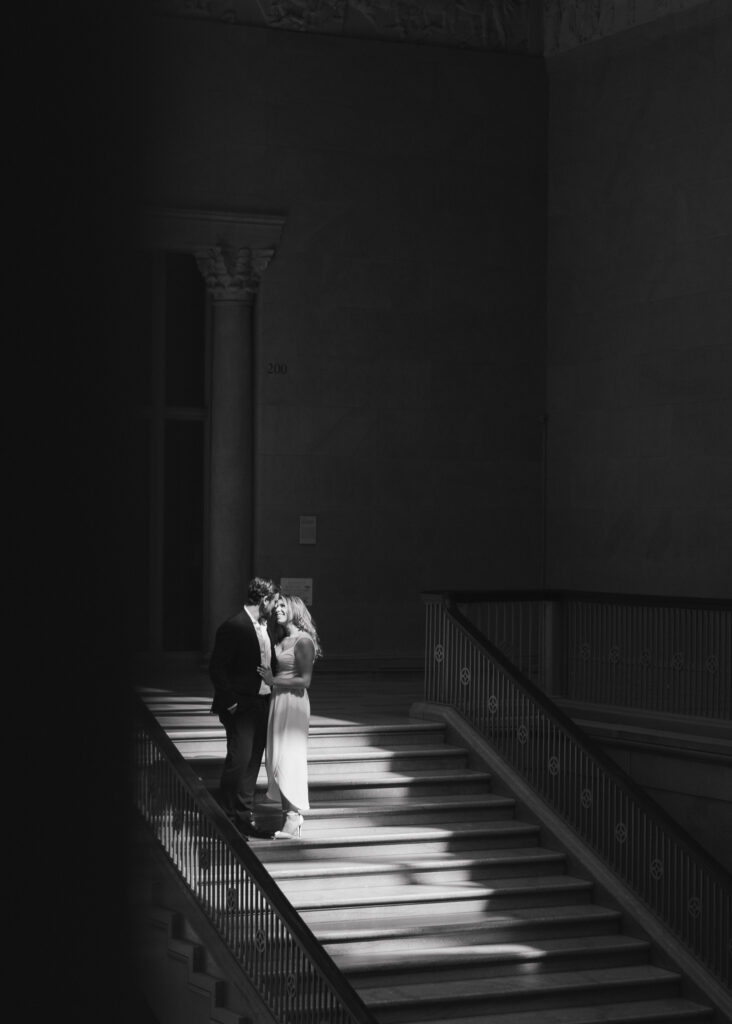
(304, 660)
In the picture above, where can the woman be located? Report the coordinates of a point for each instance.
(296, 646)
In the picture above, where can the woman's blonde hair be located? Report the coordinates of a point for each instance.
(299, 615)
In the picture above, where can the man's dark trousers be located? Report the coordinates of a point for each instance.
(246, 735)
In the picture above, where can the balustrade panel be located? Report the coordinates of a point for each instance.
(293, 975)
(641, 653)
(684, 888)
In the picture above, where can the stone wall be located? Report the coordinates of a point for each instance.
(639, 391)
(400, 327)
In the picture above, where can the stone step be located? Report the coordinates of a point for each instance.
(420, 902)
(383, 902)
(403, 841)
(328, 816)
(429, 869)
(520, 925)
(203, 986)
(327, 819)
(457, 962)
(353, 758)
(347, 786)
(159, 702)
(337, 708)
(439, 906)
(648, 1011)
(441, 1000)
(197, 724)
(397, 785)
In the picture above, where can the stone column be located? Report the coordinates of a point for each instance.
(232, 277)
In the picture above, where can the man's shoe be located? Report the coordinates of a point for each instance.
(251, 830)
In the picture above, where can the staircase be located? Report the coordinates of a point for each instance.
(424, 884)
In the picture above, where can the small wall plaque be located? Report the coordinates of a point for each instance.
(308, 527)
(298, 586)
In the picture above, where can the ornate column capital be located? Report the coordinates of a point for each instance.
(233, 273)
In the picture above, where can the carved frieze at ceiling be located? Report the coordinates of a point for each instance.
(481, 24)
(513, 26)
(567, 24)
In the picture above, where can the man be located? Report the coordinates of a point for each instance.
(241, 700)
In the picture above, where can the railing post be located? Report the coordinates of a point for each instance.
(549, 646)
(432, 660)
(555, 685)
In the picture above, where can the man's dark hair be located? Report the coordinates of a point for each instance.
(260, 588)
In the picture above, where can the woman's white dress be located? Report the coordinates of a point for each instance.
(286, 753)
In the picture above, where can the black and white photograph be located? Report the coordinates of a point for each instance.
(371, 398)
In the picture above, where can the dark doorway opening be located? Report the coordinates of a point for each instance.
(168, 431)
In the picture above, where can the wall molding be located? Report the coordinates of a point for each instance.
(530, 27)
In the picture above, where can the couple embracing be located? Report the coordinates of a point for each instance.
(261, 667)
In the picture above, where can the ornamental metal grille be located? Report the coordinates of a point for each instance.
(295, 977)
(686, 890)
(674, 657)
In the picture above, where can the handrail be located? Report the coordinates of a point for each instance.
(276, 950)
(595, 596)
(669, 655)
(593, 748)
(634, 836)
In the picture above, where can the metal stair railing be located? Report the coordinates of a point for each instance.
(277, 952)
(685, 888)
(671, 655)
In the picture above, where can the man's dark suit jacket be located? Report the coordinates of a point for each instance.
(233, 665)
